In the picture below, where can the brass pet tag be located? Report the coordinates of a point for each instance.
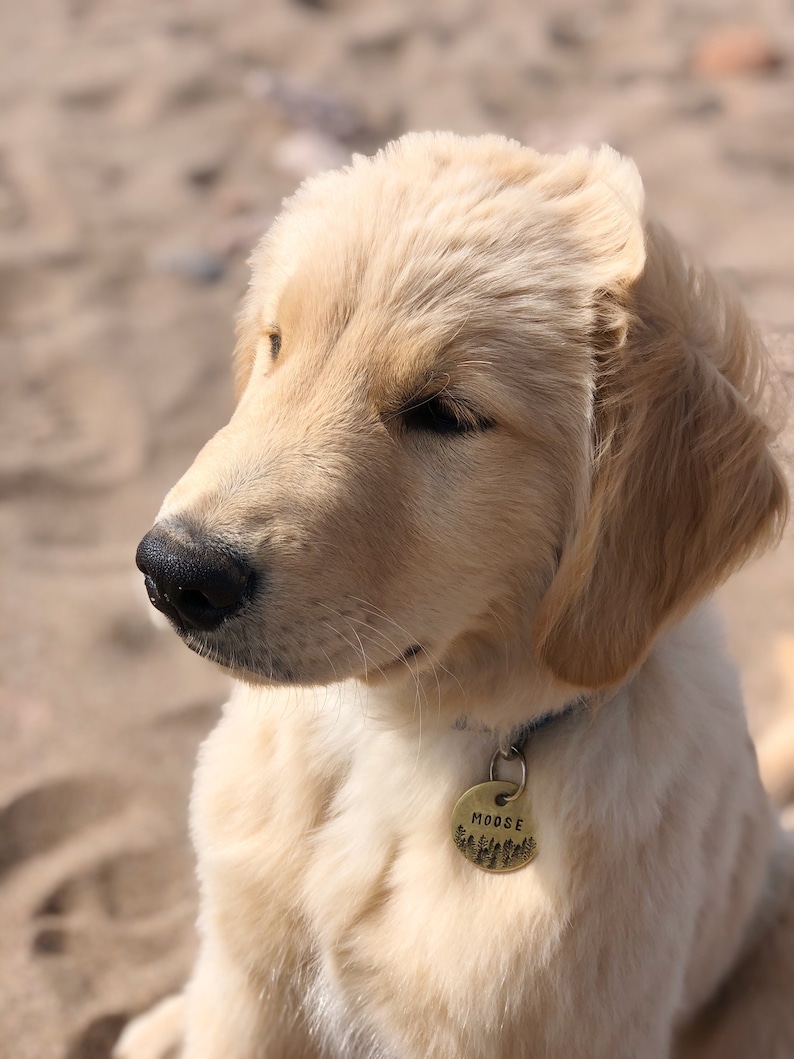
(491, 822)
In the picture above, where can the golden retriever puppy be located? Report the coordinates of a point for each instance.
(484, 789)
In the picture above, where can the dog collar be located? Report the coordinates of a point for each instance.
(519, 734)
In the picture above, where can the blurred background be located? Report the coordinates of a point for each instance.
(144, 147)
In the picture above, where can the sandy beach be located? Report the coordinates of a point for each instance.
(144, 148)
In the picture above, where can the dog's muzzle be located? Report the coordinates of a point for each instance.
(196, 582)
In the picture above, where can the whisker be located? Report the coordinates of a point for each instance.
(419, 690)
(503, 629)
(358, 650)
(434, 663)
(433, 659)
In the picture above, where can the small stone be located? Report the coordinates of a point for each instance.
(203, 174)
(239, 234)
(379, 32)
(232, 200)
(307, 106)
(50, 941)
(304, 153)
(574, 29)
(733, 50)
(197, 265)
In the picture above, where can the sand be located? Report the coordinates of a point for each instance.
(144, 146)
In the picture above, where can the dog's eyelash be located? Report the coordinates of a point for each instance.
(440, 415)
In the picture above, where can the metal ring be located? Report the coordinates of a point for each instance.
(509, 755)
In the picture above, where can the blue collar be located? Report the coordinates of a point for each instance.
(518, 735)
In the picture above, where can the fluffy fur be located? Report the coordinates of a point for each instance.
(423, 592)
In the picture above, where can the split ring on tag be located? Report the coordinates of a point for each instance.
(492, 825)
(510, 755)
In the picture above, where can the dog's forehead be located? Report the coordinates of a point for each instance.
(411, 259)
(440, 242)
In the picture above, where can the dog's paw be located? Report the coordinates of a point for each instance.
(156, 1035)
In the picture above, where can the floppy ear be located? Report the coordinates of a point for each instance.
(684, 487)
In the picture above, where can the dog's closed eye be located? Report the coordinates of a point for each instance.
(441, 414)
(430, 410)
(275, 344)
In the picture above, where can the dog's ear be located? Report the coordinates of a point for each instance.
(683, 488)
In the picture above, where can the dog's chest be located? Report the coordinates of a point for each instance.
(337, 869)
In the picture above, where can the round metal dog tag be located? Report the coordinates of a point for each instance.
(491, 833)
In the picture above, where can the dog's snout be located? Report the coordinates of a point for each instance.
(196, 583)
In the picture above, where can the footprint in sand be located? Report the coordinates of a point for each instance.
(120, 928)
(71, 424)
(40, 819)
(128, 886)
(98, 1038)
(110, 930)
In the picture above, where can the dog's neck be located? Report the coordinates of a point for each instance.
(497, 688)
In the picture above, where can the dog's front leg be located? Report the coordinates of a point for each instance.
(222, 1014)
(229, 1015)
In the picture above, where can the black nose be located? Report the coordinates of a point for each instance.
(195, 582)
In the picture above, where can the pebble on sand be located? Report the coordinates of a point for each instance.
(201, 266)
(732, 50)
(305, 152)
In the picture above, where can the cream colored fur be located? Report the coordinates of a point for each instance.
(616, 469)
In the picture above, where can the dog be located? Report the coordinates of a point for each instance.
(495, 444)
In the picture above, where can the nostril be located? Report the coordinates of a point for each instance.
(219, 582)
(191, 598)
(197, 610)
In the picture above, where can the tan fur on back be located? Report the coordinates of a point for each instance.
(424, 593)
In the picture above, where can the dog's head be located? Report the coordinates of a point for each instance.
(482, 408)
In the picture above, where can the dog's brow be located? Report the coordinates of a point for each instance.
(267, 328)
(421, 386)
